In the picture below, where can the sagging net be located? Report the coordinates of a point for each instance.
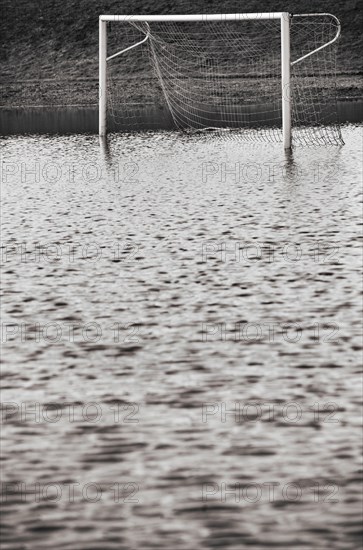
(223, 76)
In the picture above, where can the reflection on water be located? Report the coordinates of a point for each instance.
(75, 119)
(182, 343)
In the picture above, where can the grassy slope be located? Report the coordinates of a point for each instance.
(58, 39)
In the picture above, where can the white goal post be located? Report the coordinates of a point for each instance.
(286, 64)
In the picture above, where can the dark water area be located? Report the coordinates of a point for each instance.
(74, 119)
(181, 343)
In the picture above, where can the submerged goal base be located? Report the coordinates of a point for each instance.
(175, 63)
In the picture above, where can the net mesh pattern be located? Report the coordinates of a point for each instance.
(223, 76)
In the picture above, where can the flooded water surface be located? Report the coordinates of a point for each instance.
(181, 343)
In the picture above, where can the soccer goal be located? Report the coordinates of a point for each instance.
(271, 74)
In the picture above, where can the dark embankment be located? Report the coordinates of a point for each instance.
(49, 51)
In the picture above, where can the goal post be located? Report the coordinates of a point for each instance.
(102, 111)
(144, 24)
(285, 80)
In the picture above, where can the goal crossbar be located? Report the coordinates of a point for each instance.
(286, 63)
(200, 17)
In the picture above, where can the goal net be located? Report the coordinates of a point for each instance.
(223, 77)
